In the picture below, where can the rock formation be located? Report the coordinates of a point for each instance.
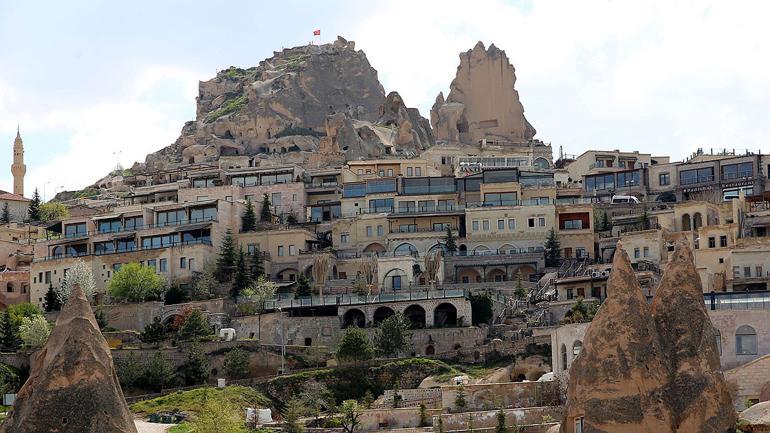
(616, 384)
(482, 101)
(696, 393)
(653, 370)
(72, 387)
(283, 107)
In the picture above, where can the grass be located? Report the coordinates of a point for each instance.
(190, 401)
(229, 106)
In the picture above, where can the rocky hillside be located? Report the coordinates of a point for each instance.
(282, 109)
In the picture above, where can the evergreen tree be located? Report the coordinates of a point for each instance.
(195, 326)
(6, 217)
(303, 286)
(266, 215)
(34, 206)
(449, 242)
(423, 416)
(460, 400)
(292, 422)
(236, 365)
(249, 218)
(394, 335)
(501, 427)
(355, 346)
(11, 341)
(101, 319)
(645, 219)
(604, 223)
(242, 277)
(520, 292)
(159, 372)
(226, 259)
(195, 369)
(154, 332)
(292, 218)
(257, 265)
(52, 302)
(552, 247)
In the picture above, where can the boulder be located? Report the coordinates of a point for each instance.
(72, 387)
(616, 383)
(756, 418)
(696, 393)
(486, 104)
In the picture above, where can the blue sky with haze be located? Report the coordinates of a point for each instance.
(89, 79)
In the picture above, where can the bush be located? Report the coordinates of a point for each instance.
(53, 211)
(130, 371)
(34, 331)
(159, 373)
(195, 369)
(154, 332)
(236, 365)
(355, 346)
(135, 283)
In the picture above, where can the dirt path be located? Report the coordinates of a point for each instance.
(151, 427)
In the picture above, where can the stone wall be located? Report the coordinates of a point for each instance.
(494, 395)
(488, 419)
(748, 381)
(430, 397)
(378, 420)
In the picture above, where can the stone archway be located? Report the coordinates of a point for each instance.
(445, 315)
(416, 315)
(496, 275)
(686, 223)
(375, 248)
(354, 317)
(382, 313)
(697, 221)
(526, 271)
(468, 276)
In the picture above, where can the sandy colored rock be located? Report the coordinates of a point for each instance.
(482, 101)
(72, 387)
(696, 393)
(616, 383)
(756, 418)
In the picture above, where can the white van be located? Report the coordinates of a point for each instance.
(617, 199)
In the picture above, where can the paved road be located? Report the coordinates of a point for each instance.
(149, 427)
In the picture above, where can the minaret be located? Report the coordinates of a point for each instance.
(18, 169)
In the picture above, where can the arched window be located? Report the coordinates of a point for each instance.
(745, 341)
(697, 221)
(686, 223)
(541, 163)
(405, 249)
(563, 357)
(577, 347)
(395, 279)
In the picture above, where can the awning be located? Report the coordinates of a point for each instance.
(760, 221)
(189, 227)
(107, 217)
(124, 235)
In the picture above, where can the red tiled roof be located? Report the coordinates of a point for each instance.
(5, 195)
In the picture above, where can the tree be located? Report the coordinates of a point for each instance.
(159, 372)
(604, 222)
(242, 277)
(423, 416)
(53, 211)
(10, 337)
(101, 319)
(249, 218)
(355, 346)
(440, 425)
(316, 398)
(34, 206)
(130, 371)
(154, 332)
(266, 215)
(552, 247)
(501, 427)
(195, 369)
(520, 292)
(194, 326)
(292, 218)
(291, 417)
(460, 400)
(236, 365)
(350, 415)
(135, 283)
(34, 331)
(394, 335)
(257, 264)
(205, 283)
(303, 286)
(79, 274)
(450, 245)
(368, 399)
(227, 258)
(52, 302)
(175, 294)
(260, 292)
(645, 220)
(6, 216)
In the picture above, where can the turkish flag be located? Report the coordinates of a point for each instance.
(316, 33)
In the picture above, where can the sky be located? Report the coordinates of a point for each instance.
(93, 84)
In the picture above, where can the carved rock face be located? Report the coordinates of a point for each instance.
(648, 369)
(486, 104)
(72, 387)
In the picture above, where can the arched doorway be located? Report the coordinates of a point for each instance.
(395, 279)
(405, 249)
(430, 350)
(564, 357)
(686, 224)
(463, 250)
(375, 248)
(354, 317)
(697, 221)
(416, 315)
(497, 275)
(381, 314)
(468, 275)
(445, 315)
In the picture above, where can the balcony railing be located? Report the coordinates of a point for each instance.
(699, 179)
(740, 175)
(759, 300)
(124, 250)
(421, 230)
(353, 299)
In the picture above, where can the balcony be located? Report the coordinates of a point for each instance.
(744, 175)
(123, 251)
(427, 210)
(698, 180)
(386, 297)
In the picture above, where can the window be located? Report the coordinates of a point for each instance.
(183, 263)
(280, 250)
(712, 242)
(577, 347)
(163, 265)
(47, 277)
(646, 251)
(275, 199)
(426, 205)
(501, 224)
(396, 282)
(573, 224)
(581, 253)
(292, 250)
(570, 293)
(381, 173)
(747, 271)
(530, 222)
(628, 178)
(354, 189)
(745, 341)
(152, 263)
(160, 241)
(636, 253)
(475, 225)
(380, 231)
(737, 171)
(418, 171)
(390, 172)
(563, 357)
(191, 264)
(758, 271)
(723, 241)
(381, 205)
(369, 231)
(485, 225)
(541, 221)
(409, 171)
(171, 217)
(344, 238)
(360, 171)
(579, 424)
(407, 207)
(252, 248)
(664, 179)
(500, 199)
(75, 230)
(511, 224)
(380, 186)
(446, 205)
(441, 227)
(699, 175)
(110, 226)
(405, 249)
(208, 213)
(407, 228)
(721, 260)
